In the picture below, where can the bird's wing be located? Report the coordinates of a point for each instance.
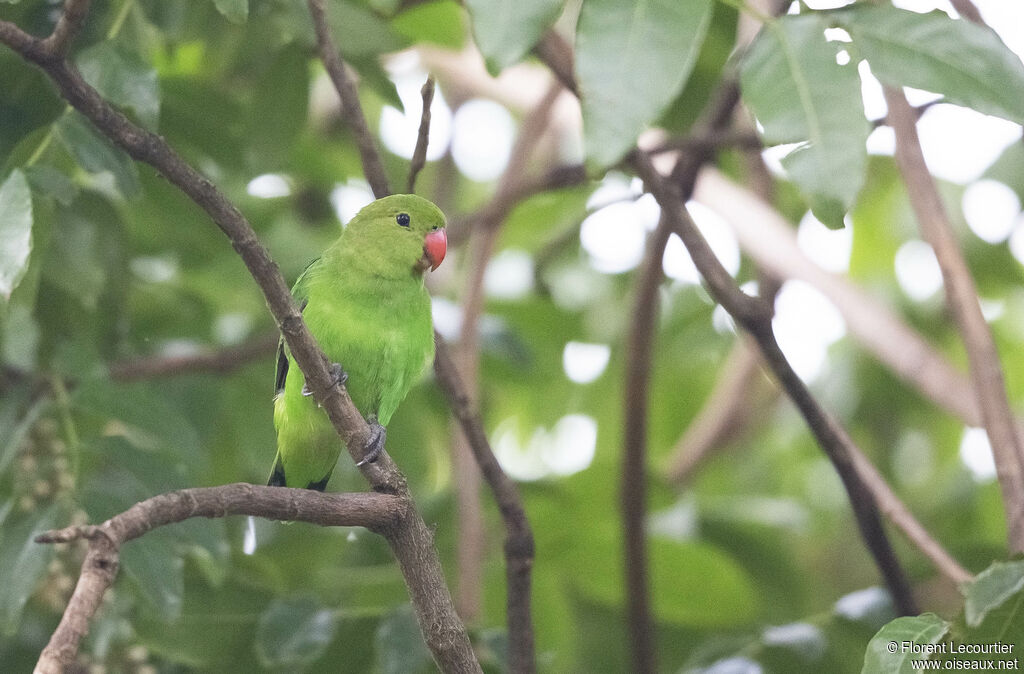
(299, 292)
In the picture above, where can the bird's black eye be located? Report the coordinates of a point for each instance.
(402, 219)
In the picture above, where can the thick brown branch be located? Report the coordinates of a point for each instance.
(221, 361)
(99, 569)
(962, 298)
(373, 168)
(410, 539)
(521, 649)
(755, 317)
(419, 155)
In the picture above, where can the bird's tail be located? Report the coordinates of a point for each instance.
(276, 478)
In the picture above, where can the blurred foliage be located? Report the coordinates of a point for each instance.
(755, 564)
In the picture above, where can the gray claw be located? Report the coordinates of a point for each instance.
(374, 444)
(338, 374)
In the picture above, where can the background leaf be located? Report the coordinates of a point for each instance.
(293, 633)
(799, 94)
(23, 561)
(883, 658)
(15, 231)
(933, 52)
(615, 41)
(506, 31)
(124, 80)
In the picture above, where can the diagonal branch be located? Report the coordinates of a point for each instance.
(962, 297)
(99, 569)
(376, 176)
(419, 155)
(519, 538)
(409, 538)
(755, 316)
(221, 361)
(519, 548)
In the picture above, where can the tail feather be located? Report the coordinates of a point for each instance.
(277, 478)
(277, 474)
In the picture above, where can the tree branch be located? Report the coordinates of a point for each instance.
(962, 298)
(519, 541)
(764, 236)
(419, 155)
(519, 548)
(373, 168)
(754, 316)
(221, 361)
(409, 538)
(373, 511)
(639, 350)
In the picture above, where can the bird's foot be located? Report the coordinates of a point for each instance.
(374, 444)
(338, 374)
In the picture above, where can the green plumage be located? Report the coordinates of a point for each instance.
(365, 302)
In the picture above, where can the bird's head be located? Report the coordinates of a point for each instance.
(406, 231)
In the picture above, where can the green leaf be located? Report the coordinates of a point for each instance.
(293, 633)
(399, 644)
(991, 589)
(631, 60)
(441, 23)
(278, 110)
(235, 11)
(709, 589)
(506, 31)
(124, 80)
(156, 565)
(23, 561)
(15, 231)
(966, 63)
(96, 154)
(52, 182)
(359, 32)
(799, 94)
(14, 425)
(888, 651)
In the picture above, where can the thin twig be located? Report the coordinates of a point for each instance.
(373, 168)
(503, 201)
(483, 239)
(221, 361)
(962, 299)
(968, 10)
(68, 26)
(410, 539)
(519, 561)
(639, 349)
(99, 569)
(764, 236)
(633, 478)
(754, 316)
(419, 155)
(519, 548)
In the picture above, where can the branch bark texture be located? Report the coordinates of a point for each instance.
(409, 538)
(755, 317)
(376, 512)
(962, 298)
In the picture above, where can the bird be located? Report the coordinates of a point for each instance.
(365, 302)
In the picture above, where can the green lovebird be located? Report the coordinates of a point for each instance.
(365, 302)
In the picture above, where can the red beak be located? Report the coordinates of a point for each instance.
(435, 245)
